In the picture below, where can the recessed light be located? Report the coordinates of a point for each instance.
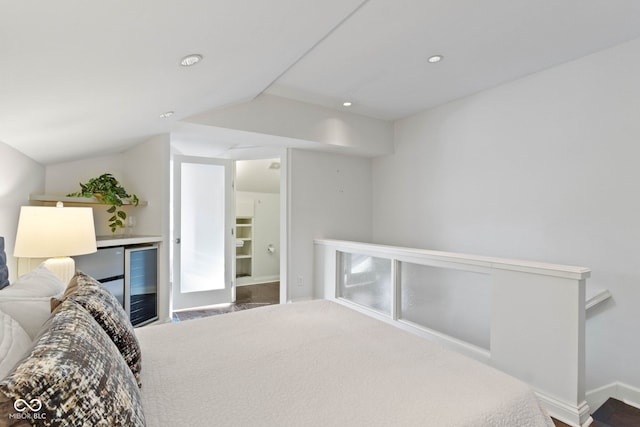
(435, 58)
(347, 103)
(190, 60)
(166, 114)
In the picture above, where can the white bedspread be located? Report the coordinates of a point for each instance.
(318, 363)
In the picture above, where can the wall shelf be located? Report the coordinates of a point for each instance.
(123, 240)
(47, 198)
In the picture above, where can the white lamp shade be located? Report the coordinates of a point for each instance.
(45, 232)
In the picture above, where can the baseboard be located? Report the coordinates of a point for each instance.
(623, 392)
(300, 299)
(574, 416)
(594, 399)
(246, 281)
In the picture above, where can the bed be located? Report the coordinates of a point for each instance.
(319, 363)
(307, 363)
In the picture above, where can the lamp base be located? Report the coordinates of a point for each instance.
(63, 267)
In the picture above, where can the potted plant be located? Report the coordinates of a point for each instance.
(108, 190)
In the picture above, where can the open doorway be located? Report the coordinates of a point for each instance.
(255, 260)
(257, 263)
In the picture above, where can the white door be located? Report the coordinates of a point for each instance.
(204, 220)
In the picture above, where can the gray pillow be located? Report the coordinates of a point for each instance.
(27, 299)
(4, 270)
(73, 376)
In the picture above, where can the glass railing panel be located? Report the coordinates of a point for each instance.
(365, 280)
(454, 302)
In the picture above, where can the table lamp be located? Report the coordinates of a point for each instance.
(57, 233)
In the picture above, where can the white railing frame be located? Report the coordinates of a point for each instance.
(537, 317)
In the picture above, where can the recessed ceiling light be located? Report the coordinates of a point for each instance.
(190, 60)
(166, 114)
(347, 103)
(435, 58)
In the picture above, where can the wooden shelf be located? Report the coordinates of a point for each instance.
(46, 198)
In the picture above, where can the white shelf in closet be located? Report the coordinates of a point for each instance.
(244, 251)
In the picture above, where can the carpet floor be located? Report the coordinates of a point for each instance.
(612, 414)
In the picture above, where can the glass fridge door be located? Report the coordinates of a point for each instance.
(141, 283)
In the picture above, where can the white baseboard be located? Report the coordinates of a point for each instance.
(623, 392)
(289, 301)
(249, 280)
(574, 416)
(580, 416)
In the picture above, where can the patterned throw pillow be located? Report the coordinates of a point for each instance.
(105, 308)
(73, 376)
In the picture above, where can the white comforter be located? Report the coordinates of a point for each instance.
(318, 363)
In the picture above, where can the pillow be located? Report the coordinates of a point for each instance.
(29, 312)
(4, 270)
(107, 311)
(39, 282)
(14, 343)
(27, 299)
(73, 376)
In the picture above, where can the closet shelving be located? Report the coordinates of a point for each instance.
(244, 249)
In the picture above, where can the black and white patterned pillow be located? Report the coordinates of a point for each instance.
(73, 376)
(107, 311)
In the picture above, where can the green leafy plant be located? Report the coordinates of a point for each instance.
(108, 190)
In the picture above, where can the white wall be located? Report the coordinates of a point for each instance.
(329, 197)
(266, 231)
(277, 116)
(147, 172)
(142, 170)
(21, 176)
(544, 168)
(258, 175)
(65, 178)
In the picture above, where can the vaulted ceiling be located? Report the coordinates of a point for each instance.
(81, 78)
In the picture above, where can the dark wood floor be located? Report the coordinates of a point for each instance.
(613, 413)
(560, 423)
(267, 293)
(247, 297)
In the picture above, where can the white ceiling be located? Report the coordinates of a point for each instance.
(80, 78)
(378, 59)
